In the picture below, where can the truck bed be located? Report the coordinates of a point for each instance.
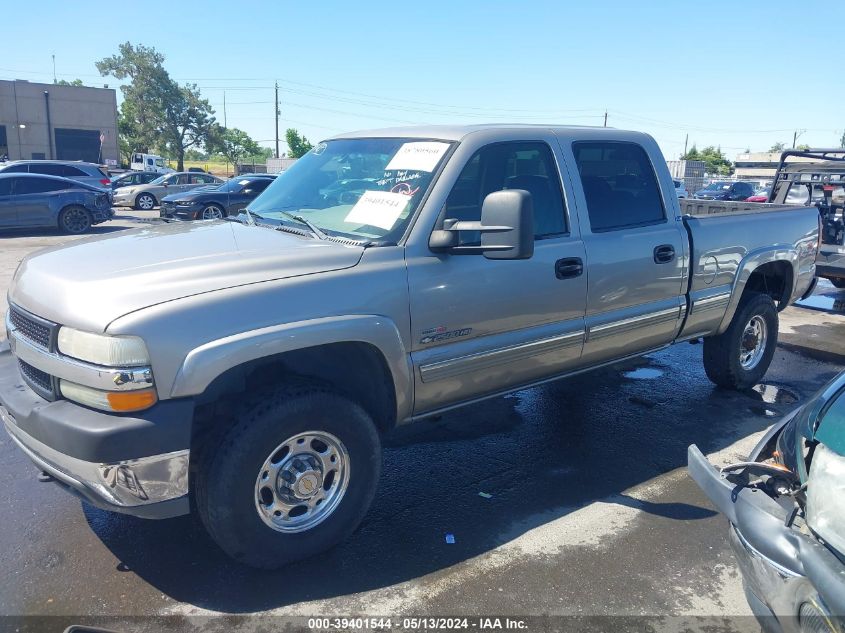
(697, 208)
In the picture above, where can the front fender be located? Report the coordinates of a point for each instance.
(751, 262)
(208, 361)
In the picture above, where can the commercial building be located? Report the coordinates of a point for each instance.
(761, 166)
(49, 121)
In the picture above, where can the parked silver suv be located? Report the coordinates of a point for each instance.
(89, 173)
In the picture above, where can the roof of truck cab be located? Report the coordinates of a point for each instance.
(458, 132)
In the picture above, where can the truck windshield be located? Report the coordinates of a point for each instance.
(357, 188)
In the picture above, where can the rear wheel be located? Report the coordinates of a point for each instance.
(145, 202)
(293, 477)
(75, 220)
(739, 357)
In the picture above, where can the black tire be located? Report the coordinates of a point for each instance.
(212, 208)
(226, 479)
(722, 353)
(145, 202)
(838, 282)
(75, 220)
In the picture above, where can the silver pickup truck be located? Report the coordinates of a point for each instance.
(248, 368)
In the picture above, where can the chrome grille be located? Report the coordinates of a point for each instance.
(40, 381)
(36, 330)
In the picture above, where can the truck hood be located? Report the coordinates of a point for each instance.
(91, 282)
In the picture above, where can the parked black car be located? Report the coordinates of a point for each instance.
(30, 200)
(786, 507)
(133, 178)
(726, 190)
(209, 203)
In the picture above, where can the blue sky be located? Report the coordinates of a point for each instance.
(726, 73)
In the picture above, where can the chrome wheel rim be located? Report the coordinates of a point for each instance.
(302, 481)
(76, 221)
(752, 345)
(212, 213)
(146, 203)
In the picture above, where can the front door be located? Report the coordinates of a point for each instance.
(636, 253)
(480, 326)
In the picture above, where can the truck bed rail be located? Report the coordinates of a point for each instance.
(695, 207)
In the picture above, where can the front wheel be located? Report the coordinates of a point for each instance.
(293, 477)
(75, 220)
(212, 212)
(145, 202)
(739, 357)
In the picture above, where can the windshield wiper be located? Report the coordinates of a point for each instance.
(314, 228)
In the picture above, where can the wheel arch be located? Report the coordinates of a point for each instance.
(362, 356)
(772, 271)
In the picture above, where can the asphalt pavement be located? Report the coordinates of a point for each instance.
(569, 499)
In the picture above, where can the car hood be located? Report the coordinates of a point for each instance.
(91, 282)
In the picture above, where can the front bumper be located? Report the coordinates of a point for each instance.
(133, 465)
(180, 212)
(773, 557)
(123, 200)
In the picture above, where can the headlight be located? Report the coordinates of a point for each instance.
(119, 401)
(111, 351)
(826, 496)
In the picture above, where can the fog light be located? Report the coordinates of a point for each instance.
(118, 401)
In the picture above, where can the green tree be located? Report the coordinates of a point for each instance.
(715, 162)
(65, 82)
(842, 140)
(233, 143)
(777, 147)
(298, 145)
(803, 147)
(160, 113)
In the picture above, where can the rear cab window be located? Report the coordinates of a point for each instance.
(620, 185)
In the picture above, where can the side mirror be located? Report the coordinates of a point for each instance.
(506, 227)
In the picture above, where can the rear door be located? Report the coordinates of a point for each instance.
(479, 325)
(8, 210)
(33, 197)
(635, 249)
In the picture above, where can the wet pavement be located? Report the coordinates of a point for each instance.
(586, 510)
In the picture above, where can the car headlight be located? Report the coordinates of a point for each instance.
(826, 496)
(111, 351)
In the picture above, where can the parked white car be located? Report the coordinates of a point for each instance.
(680, 189)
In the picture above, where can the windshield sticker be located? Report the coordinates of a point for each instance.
(378, 208)
(405, 189)
(422, 156)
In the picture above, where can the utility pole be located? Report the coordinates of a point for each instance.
(224, 127)
(605, 118)
(54, 69)
(277, 119)
(686, 140)
(796, 136)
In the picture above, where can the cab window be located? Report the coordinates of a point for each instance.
(528, 166)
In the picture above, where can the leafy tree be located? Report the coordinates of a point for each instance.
(163, 114)
(64, 82)
(777, 147)
(298, 145)
(715, 162)
(804, 147)
(842, 140)
(233, 143)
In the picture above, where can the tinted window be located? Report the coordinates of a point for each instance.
(16, 169)
(48, 169)
(38, 185)
(619, 185)
(257, 186)
(527, 166)
(69, 171)
(6, 186)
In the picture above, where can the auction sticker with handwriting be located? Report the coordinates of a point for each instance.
(421, 155)
(378, 208)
